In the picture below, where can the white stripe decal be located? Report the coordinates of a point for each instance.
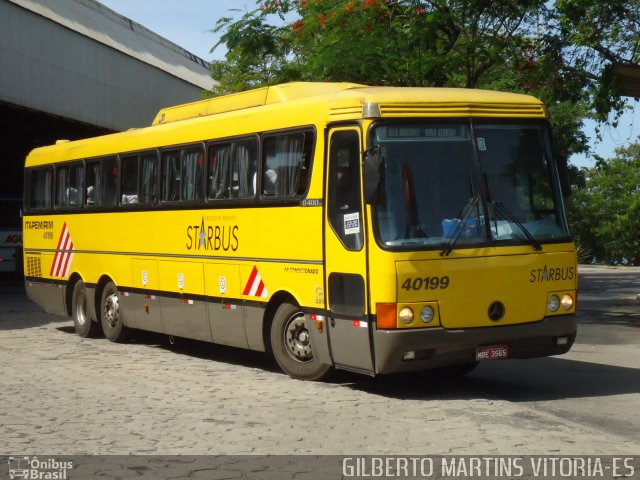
(64, 254)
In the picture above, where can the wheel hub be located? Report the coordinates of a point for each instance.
(111, 310)
(297, 339)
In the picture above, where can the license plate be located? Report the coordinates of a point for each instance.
(492, 352)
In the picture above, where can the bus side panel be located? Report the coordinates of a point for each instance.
(254, 320)
(222, 283)
(144, 307)
(184, 315)
(49, 296)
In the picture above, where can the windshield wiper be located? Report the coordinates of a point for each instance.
(498, 207)
(466, 213)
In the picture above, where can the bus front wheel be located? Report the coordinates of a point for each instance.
(83, 321)
(291, 345)
(110, 315)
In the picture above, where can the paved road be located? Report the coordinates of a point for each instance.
(61, 394)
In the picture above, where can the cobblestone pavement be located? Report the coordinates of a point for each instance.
(61, 394)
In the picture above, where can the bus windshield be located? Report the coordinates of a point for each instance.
(468, 184)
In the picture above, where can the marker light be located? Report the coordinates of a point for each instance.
(553, 304)
(427, 314)
(387, 315)
(410, 355)
(566, 302)
(406, 315)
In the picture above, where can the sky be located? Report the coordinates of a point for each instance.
(188, 23)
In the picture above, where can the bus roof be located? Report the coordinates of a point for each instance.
(305, 103)
(402, 97)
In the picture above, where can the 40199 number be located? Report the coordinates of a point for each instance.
(426, 283)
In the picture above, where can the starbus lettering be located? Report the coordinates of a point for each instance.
(552, 274)
(212, 237)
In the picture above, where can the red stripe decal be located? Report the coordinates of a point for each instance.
(249, 284)
(62, 234)
(65, 257)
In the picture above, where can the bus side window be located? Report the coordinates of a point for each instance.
(40, 188)
(192, 173)
(345, 205)
(170, 176)
(62, 183)
(93, 192)
(219, 160)
(110, 181)
(76, 189)
(245, 164)
(69, 185)
(129, 180)
(148, 178)
(286, 159)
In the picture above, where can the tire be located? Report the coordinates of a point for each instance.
(83, 320)
(291, 345)
(110, 316)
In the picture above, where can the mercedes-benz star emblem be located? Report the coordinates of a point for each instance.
(496, 311)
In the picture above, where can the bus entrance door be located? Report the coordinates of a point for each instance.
(345, 255)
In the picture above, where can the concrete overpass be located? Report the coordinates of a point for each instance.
(74, 68)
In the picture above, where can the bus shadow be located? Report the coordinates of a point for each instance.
(197, 349)
(514, 380)
(219, 353)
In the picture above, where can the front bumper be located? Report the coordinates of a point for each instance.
(439, 347)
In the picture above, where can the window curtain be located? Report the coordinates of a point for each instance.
(62, 185)
(148, 180)
(245, 171)
(171, 176)
(219, 171)
(288, 159)
(76, 185)
(192, 164)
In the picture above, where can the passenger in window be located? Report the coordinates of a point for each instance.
(72, 196)
(269, 181)
(90, 195)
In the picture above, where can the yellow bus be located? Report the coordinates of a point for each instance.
(335, 225)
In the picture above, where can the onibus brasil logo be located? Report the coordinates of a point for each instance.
(35, 469)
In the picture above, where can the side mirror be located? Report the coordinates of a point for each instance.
(563, 172)
(372, 173)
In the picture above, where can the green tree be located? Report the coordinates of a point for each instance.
(597, 36)
(259, 54)
(605, 213)
(560, 51)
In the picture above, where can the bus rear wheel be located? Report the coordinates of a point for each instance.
(110, 315)
(83, 321)
(291, 345)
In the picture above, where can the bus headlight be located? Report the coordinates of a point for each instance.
(427, 314)
(567, 302)
(553, 303)
(406, 315)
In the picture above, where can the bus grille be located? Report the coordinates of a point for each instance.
(34, 267)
